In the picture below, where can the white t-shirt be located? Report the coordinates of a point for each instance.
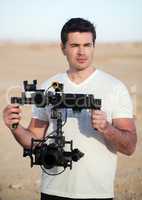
(93, 175)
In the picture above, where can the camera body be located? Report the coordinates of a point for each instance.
(51, 155)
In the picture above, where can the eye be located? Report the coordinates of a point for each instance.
(88, 45)
(74, 45)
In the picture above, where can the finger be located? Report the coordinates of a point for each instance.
(13, 110)
(99, 112)
(96, 123)
(14, 116)
(99, 121)
(14, 121)
(94, 110)
(101, 116)
(10, 122)
(12, 106)
(100, 124)
(98, 117)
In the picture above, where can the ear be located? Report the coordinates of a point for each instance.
(63, 48)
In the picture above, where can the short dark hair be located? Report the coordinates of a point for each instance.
(77, 25)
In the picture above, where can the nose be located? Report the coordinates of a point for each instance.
(81, 50)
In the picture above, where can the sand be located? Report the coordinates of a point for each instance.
(20, 62)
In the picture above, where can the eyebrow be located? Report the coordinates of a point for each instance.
(77, 44)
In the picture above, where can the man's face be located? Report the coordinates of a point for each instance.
(79, 50)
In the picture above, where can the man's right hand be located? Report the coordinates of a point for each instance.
(11, 115)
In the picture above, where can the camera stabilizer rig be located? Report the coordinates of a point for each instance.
(53, 154)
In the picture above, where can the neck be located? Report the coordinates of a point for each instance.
(78, 76)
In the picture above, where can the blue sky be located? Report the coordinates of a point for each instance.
(42, 20)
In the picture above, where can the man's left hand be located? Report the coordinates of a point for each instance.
(99, 120)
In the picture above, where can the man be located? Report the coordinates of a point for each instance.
(100, 134)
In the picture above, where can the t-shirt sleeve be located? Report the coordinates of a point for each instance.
(122, 105)
(40, 113)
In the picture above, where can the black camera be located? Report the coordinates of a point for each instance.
(53, 154)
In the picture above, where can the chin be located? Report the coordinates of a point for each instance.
(82, 67)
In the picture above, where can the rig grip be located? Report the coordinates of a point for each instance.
(99, 108)
(14, 126)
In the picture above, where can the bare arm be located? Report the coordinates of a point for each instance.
(122, 131)
(123, 134)
(36, 128)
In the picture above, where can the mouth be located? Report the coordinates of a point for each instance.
(81, 60)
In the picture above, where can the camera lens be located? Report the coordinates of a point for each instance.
(49, 160)
(38, 99)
